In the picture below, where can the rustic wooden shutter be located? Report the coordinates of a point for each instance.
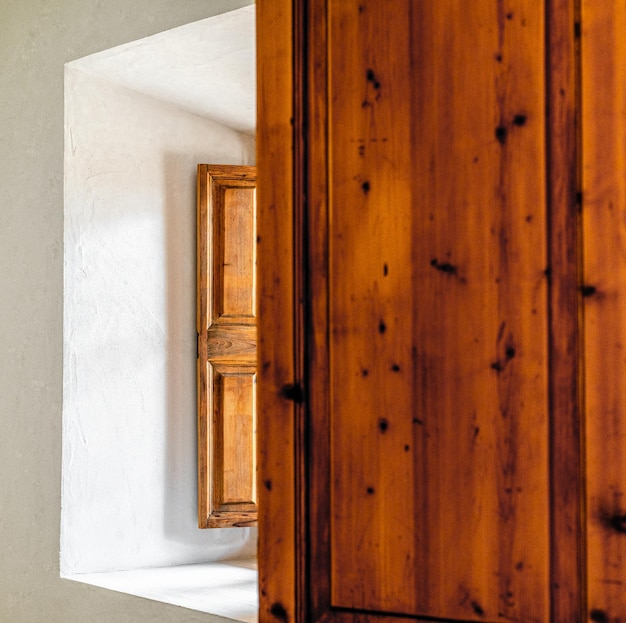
(419, 392)
(226, 325)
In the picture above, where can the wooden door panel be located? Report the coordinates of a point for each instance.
(438, 310)
(234, 429)
(234, 241)
(226, 346)
(419, 304)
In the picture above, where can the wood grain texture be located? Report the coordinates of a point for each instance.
(565, 257)
(317, 586)
(224, 342)
(604, 290)
(443, 373)
(276, 312)
(226, 319)
(438, 310)
(233, 444)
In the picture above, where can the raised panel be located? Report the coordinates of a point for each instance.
(279, 519)
(438, 340)
(234, 245)
(403, 149)
(233, 443)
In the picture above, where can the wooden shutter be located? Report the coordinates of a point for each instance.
(429, 464)
(226, 325)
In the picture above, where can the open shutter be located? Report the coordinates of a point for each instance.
(226, 325)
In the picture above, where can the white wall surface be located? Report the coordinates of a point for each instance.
(36, 38)
(129, 431)
(207, 67)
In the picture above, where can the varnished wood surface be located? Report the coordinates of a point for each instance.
(375, 495)
(234, 241)
(480, 518)
(233, 445)
(317, 585)
(276, 310)
(604, 234)
(438, 310)
(565, 369)
(225, 342)
(226, 345)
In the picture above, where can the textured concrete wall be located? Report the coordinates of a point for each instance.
(36, 38)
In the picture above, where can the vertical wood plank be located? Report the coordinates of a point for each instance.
(276, 313)
(565, 257)
(318, 398)
(604, 291)
(438, 310)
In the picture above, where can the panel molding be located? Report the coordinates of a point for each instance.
(293, 156)
(568, 547)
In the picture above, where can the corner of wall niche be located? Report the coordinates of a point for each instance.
(226, 589)
(128, 516)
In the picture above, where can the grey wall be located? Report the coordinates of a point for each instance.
(36, 38)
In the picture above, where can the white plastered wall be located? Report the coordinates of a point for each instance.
(129, 461)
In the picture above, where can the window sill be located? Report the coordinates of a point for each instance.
(228, 588)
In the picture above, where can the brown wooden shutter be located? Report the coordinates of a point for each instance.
(226, 325)
(430, 467)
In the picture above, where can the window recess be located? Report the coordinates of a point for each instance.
(227, 346)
